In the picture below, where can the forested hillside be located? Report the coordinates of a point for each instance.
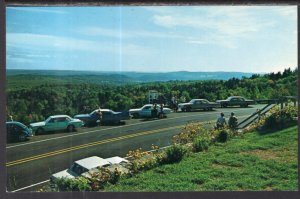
(35, 97)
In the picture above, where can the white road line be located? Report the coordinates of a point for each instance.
(33, 185)
(9, 147)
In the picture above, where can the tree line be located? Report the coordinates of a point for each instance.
(35, 101)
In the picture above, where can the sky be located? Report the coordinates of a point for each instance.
(152, 39)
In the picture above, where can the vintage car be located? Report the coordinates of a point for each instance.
(109, 116)
(145, 111)
(81, 166)
(235, 101)
(56, 123)
(17, 131)
(85, 166)
(195, 104)
(90, 119)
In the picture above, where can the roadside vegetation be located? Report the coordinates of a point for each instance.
(253, 162)
(257, 158)
(51, 95)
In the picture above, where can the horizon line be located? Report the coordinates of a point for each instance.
(135, 71)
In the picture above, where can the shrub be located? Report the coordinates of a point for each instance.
(174, 154)
(103, 177)
(142, 160)
(279, 119)
(76, 184)
(189, 133)
(200, 144)
(222, 136)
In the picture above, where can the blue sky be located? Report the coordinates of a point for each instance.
(152, 39)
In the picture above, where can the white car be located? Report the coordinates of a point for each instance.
(83, 166)
(145, 111)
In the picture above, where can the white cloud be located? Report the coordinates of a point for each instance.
(46, 42)
(224, 25)
(287, 11)
(117, 33)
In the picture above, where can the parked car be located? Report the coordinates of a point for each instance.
(90, 119)
(55, 123)
(145, 111)
(235, 101)
(81, 166)
(195, 104)
(109, 116)
(84, 166)
(17, 131)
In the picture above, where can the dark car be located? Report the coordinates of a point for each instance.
(235, 101)
(196, 104)
(109, 116)
(17, 131)
(90, 119)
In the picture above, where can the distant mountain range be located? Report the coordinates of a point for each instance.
(132, 76)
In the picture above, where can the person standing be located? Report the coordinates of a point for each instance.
(154, 111)
(99, 116)
(161, 113)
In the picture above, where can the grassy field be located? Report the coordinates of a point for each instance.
(252, 162)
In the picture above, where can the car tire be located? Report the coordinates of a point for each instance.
(225, 105)
(39, 131)
(188, 109)
(70, 128)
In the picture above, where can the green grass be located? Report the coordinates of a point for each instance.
(252, 162)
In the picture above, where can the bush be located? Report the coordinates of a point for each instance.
(189, 133)
(76, 184)
(102, 177)
(142, 160)
(222, 136)
(279, 119)
(174, 154)
(200, 144)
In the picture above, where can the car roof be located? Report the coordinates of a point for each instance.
(14, 122)
(92, 162)
(235, 96)
(198, 99)
(56, 116)
(157, 104)
(105, 110)
(116, 160)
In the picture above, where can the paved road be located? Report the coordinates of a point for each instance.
(35, 160)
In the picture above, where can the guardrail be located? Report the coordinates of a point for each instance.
(253, 117)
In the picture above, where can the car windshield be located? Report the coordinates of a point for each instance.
(68, 119)
(21, 125)
(146, 106)
(76, 168)
(48, 119)
(94, 112)
(192, 101)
